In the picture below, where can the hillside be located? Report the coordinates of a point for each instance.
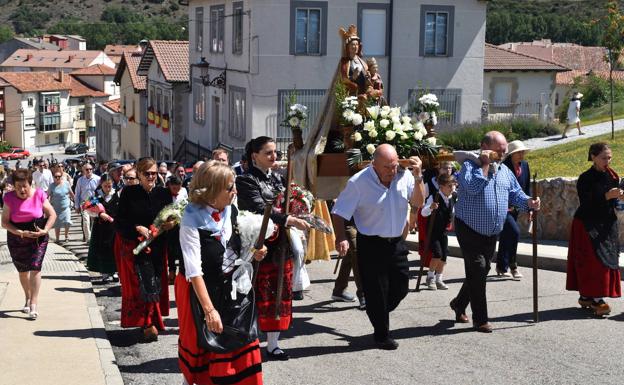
(100, 21)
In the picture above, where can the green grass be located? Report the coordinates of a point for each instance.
(570, 159)
(602, 113)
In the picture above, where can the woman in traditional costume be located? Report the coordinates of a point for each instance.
(101, 256)
(257, 186)
(27, 216)
(593, 250)
(211, 244)
(144, 300)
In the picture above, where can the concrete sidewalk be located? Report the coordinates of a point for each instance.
(67, 344)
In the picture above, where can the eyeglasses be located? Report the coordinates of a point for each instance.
(129, 178)
(88, 169)
(58, 176)
(150, 173)
(163, 173)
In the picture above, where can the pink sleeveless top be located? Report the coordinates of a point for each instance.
(25, 210)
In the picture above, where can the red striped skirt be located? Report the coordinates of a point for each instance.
(266, 290)
(135, 312)
(425, 260)
(202, 367)
(585, 272)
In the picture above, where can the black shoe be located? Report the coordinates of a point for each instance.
(279, 356)
(297, 295)
(387, 344)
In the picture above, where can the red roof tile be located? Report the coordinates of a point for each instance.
(95, 70)
(573, 56)
(172, 57)
(113, 105)
(35, 81)
(81, 90)
(118, 49)
(500, 59)
(50, 59)
(131, 62)
(567, 78)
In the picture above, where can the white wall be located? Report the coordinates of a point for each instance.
(131, 133)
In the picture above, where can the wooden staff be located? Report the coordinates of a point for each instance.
(427, 242)
(268, 209)
(283, 250)
(534, 233)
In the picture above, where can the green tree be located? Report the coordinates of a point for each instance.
(6, 33)
(27, 20)
(614, 42)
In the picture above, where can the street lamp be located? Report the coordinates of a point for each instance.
(217, 82)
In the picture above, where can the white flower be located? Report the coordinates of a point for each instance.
(369, 125)
(395, 112)
(419, 127)
(294, 121)
(406, 119)
(404, 136)
(372, 133)
(390, 135)
(431, 140)
(348, 115)
(383, 123)
(357, 119)
(434, 118)
(373, 111)
(385, 110)
(423, 116)
(397, 127)
(395, 119)
(418, 135)
(357, 137)
(370, 149)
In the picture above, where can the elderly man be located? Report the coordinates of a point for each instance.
(42, 178)
(377, 198)
(115, 172)
(486, 189)
(85, 188)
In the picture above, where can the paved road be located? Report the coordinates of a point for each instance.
(330, 342)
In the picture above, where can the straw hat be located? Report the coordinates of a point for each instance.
(577, 95)
(516, 146)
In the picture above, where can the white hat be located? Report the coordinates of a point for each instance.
(577, 95)
(516, 146)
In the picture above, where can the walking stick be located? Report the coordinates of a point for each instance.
(268, 209)
(427, 243)
(284, 249)
(534, 226)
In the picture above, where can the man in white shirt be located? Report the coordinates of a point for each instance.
(85, 188)
(42, 178)
(377, 198)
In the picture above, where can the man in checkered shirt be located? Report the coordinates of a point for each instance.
(484, 194)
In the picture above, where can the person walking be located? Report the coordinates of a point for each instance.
(206, 274)
(28, 217)
(593, 250)
(61, 197)
(42, 177)
(485, 191)
(377, 198)
(85, 189)
(574, 114)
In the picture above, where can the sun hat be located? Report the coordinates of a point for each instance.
(516, 146)
(577, 95)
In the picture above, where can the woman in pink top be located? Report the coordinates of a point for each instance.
(27, 216)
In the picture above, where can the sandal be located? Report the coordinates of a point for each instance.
(26, 308)
(278, 354)
(33, 312)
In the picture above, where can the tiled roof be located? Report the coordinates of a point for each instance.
(80, 90)
(95, 70)
(119, 49)
(36, 44)
(500, 59)
(131, 62)
(35, 81)
(573, 56)
(567, 78)
(172, 57)
(113, 105)
(50, 59)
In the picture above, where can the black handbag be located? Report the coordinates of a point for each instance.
(239, 318)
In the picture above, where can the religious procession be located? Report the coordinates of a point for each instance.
(365, 177)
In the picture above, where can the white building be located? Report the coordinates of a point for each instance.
(259, 51)
(108, 119)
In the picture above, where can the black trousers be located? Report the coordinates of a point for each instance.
(348, 263)
(384, 273)
(477, 251)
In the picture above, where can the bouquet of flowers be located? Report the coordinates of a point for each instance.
(389, 125)
(301, 206)
(349, 114)
(296, 117)
(92, 206)
(170, 212)
(428, 109)
(248, 228)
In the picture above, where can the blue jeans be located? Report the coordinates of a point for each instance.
(508, 244)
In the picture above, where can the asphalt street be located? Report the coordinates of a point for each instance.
(330, 342)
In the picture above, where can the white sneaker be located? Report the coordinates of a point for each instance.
(344, 297)
(441, 285)
(431, 284)
(516, 274)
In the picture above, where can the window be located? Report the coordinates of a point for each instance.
(237, 113)
(436, 30)
(217, 28)
(159, 100)
(31, 102)
(199, 29)
(166, 103)
(152, 97)
(502, 93)
(373, 28)
(199, 102)
(81, 114)
(237, 28)
(308, 28)
(50, 122)
(1, 103)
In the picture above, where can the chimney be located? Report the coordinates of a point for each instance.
(70, 58)
(29, 57)
(61, 76)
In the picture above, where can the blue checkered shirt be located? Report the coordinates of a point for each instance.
(482, 201)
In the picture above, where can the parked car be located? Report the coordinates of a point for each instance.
(15, 153)
(77, 148)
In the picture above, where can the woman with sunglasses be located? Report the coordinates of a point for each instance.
(255, 187)
(130, 177)
(144, 300)
(61, 195)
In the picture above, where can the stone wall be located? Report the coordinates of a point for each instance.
(559, 202)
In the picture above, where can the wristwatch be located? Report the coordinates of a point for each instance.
(418, 179)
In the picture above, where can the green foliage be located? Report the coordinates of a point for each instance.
(468, 136)
(6, 33)
(5, 146)
(27, 20)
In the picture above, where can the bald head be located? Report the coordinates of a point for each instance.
(494, 141)
(385, 163)
(385, 152)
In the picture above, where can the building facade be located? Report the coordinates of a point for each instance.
(108, 119)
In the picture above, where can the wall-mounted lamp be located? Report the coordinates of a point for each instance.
(204, 66)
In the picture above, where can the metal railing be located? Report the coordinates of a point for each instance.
(310, 98)
(527, 109)
(449, 99)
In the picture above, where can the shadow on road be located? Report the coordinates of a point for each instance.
(161, 365)
(563, 314)
(72, 333)
(74, 289)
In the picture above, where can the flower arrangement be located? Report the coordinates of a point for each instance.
(92, 206)
(248, 228)
(389, 125)
(170, 212)
(297, 117)
(428, 108)
(301, 200)
(350, 116)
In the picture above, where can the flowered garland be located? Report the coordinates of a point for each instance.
(297, 117)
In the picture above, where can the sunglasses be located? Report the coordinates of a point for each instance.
(150, 173)
(58, 176)
(129, 178)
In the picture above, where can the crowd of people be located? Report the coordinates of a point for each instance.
(201, 254)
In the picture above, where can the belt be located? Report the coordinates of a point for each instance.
(387, 239)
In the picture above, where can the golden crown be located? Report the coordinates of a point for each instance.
(349, 35)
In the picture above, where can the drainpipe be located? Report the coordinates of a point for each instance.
(389, 80)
